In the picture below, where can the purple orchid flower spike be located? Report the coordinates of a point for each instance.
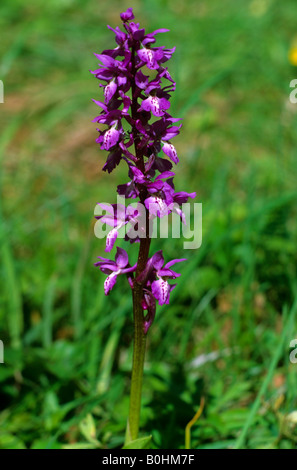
(159, 202)
(132, 61)
(179, 199)
(117, 70)
(137, 128)
(111, 137)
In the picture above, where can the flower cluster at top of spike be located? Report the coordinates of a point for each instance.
(135, 112)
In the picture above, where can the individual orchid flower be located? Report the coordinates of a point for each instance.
(161, 195)
(151, 57)
(114, 268)
(155, 105)
(159, 287)
(117, 216)
(127, 15)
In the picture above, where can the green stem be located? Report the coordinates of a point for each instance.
(137, 368)
(139, 335)
(139, 346)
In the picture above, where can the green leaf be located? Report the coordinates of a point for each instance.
(78, 446)
(88, 428)
(9, 441)
(142, 443)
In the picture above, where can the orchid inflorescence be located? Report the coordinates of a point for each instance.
(135, 110)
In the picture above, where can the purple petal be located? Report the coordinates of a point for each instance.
(106, 259)
(103, 74)
(126, 102)
(164, 175)
(161, 290)
(172, 262)
(161, 30)
(149, 57)
(102, 105)
(140, 127)
(149, 163)
(162, 164)
(120, 36)
(171, 132)
(110, 282)
(105, 269)
(107, 219)
(122, 80)
(167, 54)
(155, 186)
(106, 207)
(129, 270)
(141, 80)
(121, 258)
(106, 265)
(170, 151)
(110, 90)
(127, 190)
(155, 105)
(110, 240)
(182, 197)
(138, 175)
(156, 206)
(171, 287)
(158, 260)
(111, 138)
(138, 35)
(106, 60)
(164, 103)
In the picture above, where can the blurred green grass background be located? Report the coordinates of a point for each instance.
(226, 334)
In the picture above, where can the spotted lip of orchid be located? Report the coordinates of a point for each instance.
(170, 151)
(156, 105)
(110, 90)
(111, 138)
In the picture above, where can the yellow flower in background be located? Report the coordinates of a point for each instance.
(293, 55)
